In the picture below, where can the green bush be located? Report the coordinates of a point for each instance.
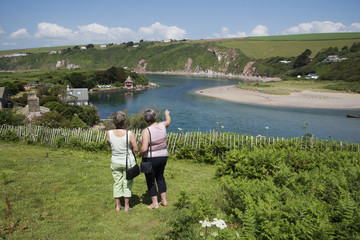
(290, 193)
(9, 117)
(10, 136)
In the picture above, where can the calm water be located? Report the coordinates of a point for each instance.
(193, 112)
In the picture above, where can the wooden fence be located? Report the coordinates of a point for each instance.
(193, 140)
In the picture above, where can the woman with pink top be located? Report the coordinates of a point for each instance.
(156, 133)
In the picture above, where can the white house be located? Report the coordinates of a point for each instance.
(83, 48)
(77, 96)
(103, 46)
(333, 58)
(312, 76)
(285, 61)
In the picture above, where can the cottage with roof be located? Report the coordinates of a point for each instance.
(33, 108)
(129, 83)
(77, 96)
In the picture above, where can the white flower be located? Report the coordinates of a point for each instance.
(219, 223)
(180, 129)
(267, 127)
(205, 224)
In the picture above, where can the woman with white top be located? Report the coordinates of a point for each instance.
(121, 149)
(156, 133)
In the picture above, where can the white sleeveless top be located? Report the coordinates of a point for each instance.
(118, 149)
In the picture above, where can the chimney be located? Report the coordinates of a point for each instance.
(33, 102)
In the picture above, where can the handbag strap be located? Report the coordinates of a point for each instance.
(127, 151)
(150, 142)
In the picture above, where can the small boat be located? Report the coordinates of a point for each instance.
(352, 116)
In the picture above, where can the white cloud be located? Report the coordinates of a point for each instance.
(321, 27)
(8, 44)
(225, 33)
(354, 27)
(51, 30)
(94, 28)
(1, 31)
(54, 34)
(158, 31)
(21, 33)
(259, 30)
(96, 33)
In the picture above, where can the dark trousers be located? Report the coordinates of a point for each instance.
(158, 165)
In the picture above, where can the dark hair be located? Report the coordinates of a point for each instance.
(149, 116)
(119, 119)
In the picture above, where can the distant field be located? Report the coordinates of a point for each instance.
(312, 37)
(289, 45)
(284, 48)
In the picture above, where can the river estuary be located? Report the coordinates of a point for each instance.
(192, 112)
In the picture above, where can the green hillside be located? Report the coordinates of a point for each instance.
(253, 56)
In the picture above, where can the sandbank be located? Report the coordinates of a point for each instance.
(304, 99)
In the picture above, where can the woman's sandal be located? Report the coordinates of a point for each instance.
(118, 210)
(152, 206)
(128, 210)
(163, 203)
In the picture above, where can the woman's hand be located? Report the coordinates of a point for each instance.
(167, 118)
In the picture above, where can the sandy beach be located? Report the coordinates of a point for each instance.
(304, 99)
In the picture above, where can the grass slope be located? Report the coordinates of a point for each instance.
(65, 194)
(284, 48)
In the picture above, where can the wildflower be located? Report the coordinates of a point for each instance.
(219, 223)
(267, 127)
(180, 129)
(205, 224)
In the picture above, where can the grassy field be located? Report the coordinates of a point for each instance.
(286, 87)
(65, 194)
(284, 48)
(312, 37)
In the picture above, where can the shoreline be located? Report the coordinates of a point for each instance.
(217, 74)
(304, 99)
(124, 89)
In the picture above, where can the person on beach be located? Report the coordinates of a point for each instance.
(121, 149)
(154, 149)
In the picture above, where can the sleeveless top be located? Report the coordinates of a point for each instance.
(118, 149)
(158, 141)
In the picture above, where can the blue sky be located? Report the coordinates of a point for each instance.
(42, 23)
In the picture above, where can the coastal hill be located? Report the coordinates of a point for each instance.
(271, 56)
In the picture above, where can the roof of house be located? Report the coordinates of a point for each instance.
(81, 94)
(129, 79)
(25, 110)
